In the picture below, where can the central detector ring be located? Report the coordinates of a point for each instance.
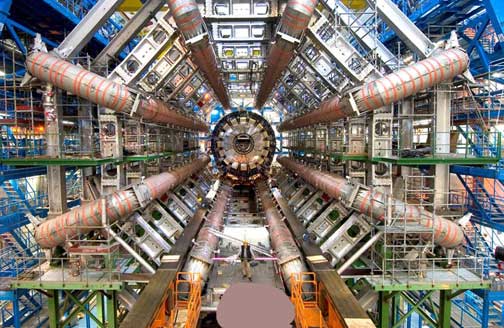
(243, 145)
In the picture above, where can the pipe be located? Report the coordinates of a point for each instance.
(130, 250)
(425, 74)
(355, 256)
(106, 93)
(190, 23)
(118, 205)
(373, 203)
(202, 253)
(289, 257)
(294, 21)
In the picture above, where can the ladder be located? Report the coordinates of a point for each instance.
(187, 300)
(305, 297)
(186, 297)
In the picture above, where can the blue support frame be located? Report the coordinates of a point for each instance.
(474, 15)
(489, 48)
(11, 25)
(25, 304)
(487, 298)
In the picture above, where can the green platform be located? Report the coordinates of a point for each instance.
(433, 160)
(84, 162)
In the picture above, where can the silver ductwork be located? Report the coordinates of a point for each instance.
(201, 255)
(289, 256)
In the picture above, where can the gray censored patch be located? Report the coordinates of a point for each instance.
(248, 305)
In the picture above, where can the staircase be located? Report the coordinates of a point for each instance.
(481, 246)
(16, 197)
(19, 251)
(18, 306)
(486, 205)
(472, 305)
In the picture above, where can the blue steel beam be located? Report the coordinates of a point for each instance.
(434, 12)
(480, 214)
(488, 297)
(5, 21)
(476, 171)
(12, 221)
(15, 173)
(473, 14)
(56, 21)
(485, 114)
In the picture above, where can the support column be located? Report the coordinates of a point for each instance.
(442, 144)
(406, 132)
(112, 309)
(53, 308)
(396, 303)
(486, 309)
(405, 142)
(15, 308)
(56, 182)
(384, 310)
(444, 309)
(100, 307)
(85, 122)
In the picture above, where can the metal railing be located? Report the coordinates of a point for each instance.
(433, 144)
(406, 252)
(305, 297)
(75, 270)
(187, 297)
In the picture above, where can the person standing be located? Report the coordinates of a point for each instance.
(245, 257)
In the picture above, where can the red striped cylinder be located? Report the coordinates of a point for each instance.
(330, 110)
(372, 203)
(296, 17)
(204, 57)
(202, 253)
(104, 92)
(404, 83)
(190, 23)
(499, 253)
(279, 57)
(282, 242)
(410, 80)
(294, 21)
(187, 17)
(120, 204)
(81, 82)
